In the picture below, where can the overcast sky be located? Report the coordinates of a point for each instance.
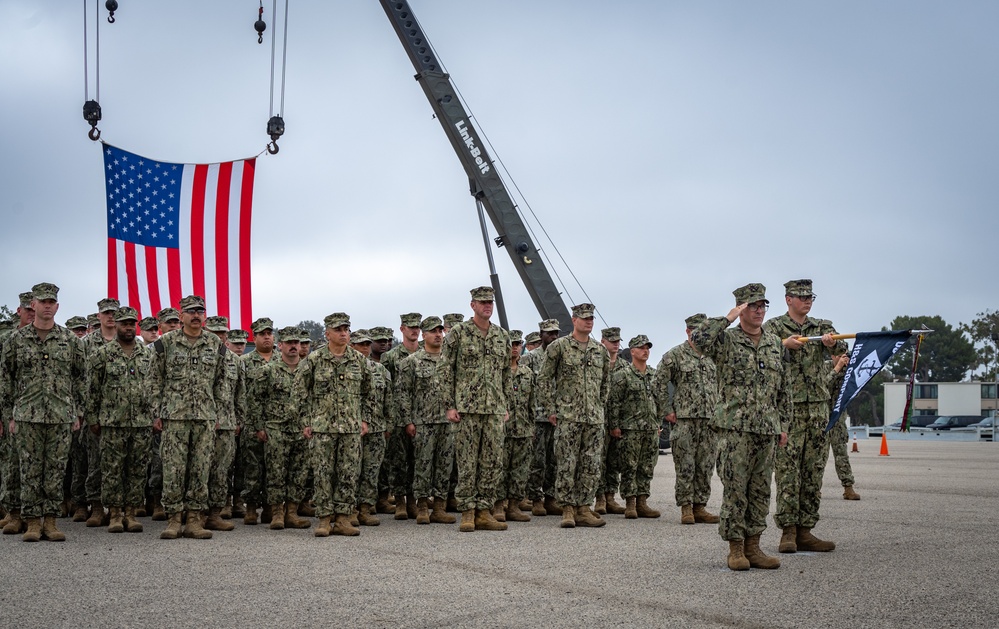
(673, 150)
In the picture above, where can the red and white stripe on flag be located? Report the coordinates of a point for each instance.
(200, 215)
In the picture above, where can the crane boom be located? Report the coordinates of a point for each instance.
(485, 183)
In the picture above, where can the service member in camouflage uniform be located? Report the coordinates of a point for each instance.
(231, 416)
(518, 438)
(78, 326)
(382, 417)
(420, 402)
(754, 407)
(633, 421)
(693, 379)
(121, 411)
(169, 320)
(531, 342)
(235, 342)
(43, 392)
(10, 473)
(799, 467)
(149, 330)
(574, 384)
(397, 467)
(333, 391)
(610, 476)
(476, 383)
(451, 320)
(189, 381)
(250, 458)
(839, 436)
(541, 482)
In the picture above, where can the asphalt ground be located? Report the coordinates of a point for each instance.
(919, 550)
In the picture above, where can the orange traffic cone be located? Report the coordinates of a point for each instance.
(884, 445)
(855, 448)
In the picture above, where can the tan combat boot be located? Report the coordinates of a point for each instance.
(352, 518)
(34, 531)
(277, 517)
(484, 521)
(601, 504)
(440, 515)
(400, 507)
(568, 517)
(291, 519)
(629, 508)
(849, 493)
(585, 517)
(266, 514)
(451, 504)
(757, 558)
(382, 504)
(323, 528)
(251, 514)
(159, 514)
(467, 521)
(551, 506)
(96, 514)
(115, 525)
(686, 514)
(226, 511)
(513, 512)
(6, 517)
(49, 530)
(342, 526)
(422, 511)
(173, 529)
(367, 516)
(736, 555)
(80, 513)
(538, 508)
(194, 528)
(613, 507)
(806, 541)
(499, 511)
(411, 506)
(215, 521)
(238, 509)
(132, 525)
(306, 509)
(787, 540)
(645, 511)
(525, 504)
(703, 516)
(15, 524)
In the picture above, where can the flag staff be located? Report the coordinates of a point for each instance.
(837, 337)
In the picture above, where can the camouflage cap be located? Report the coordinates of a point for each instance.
(483, 293)
(380, 333)
(451, 319)
(304, 336)
(261, 324)
(549, 325)
(431, 323)
(168, 314)
(695, 320)
(583, 311)
(75, 323)
(411, 320)
(359, 336)
(93, 321)
(45, 290)
(750, 293)
(149, 323)
(516, 336)
(611, 334)
(217, 324)
(25, 299)
(533, 337)
(289, 333)
(640, 341)
(7, 324)
(237, 336)
(798, 288)
(192, 301)
(126, 313)
(108, 305)
(337, 319)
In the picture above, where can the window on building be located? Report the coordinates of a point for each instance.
(925, 392)
(989, 391)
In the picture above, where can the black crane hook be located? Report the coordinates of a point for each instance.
(260, 25)
(275, 129)
(92, 114)
(112, 6)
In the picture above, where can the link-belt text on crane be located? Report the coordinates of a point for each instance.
(473, 150)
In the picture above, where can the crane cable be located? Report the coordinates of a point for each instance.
(275, 125)
(92, 108)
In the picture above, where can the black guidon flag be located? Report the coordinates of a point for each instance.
(871, 352)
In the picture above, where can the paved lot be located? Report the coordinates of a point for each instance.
(919, 550)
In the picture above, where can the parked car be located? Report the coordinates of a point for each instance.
(988, 422)
(946, 422)
(917, 421)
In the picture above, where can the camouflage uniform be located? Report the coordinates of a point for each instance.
(541, 481)
(231, 416)
(839, 436)
(420, 402)
(397, 465)
(476, 381)
(519, 435)
(373, 444)
(799, 467)
(754, 403)
(155, 483)
(574, 384)
(120, 405)
(334, 395)
(631, 407)
(92, 442)
(286, 453)
(694, 381)
(610, 460)
(251, 450)
(10, 474)
(189, 378)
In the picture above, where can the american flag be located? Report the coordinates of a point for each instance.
(179, 229)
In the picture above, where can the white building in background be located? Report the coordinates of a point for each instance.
(941, 398)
